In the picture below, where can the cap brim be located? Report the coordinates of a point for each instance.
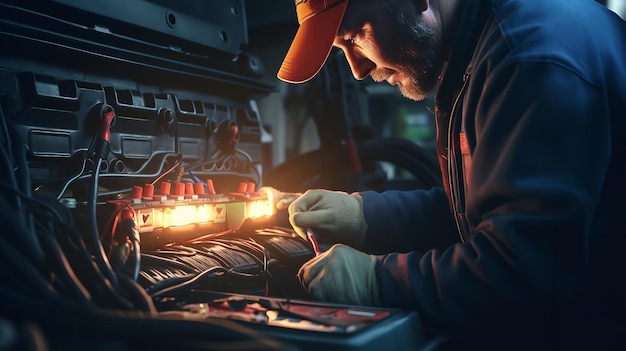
(312, 45)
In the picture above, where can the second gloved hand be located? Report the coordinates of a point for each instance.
(335, 216)
(343, 275)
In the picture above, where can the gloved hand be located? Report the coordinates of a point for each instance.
(335, 216)
(343, 275)
(280, 200)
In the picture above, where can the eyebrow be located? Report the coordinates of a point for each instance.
(348, 26)
(342, 31)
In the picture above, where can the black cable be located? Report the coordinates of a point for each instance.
(148, 256)
(8, 165)
(266, 270)
(172, 289)
(16, 227)
(218, 166)
(122, 232)
(233, 260)
(39, 287)
(277, 231)
(257, 174)
(168, 282)
(179, 161)
(34, 337)
(93, 233)
(5, 131)
(19, 150)
(86, 262)
(137, 176)
(230, 244)
(252, 245)
(138, 297)
(178, 250)
(23, 271)
(89, 273)
(137, 293)
(135, 260)
(80, 173)
(15, 156)
(210, 254)
(78, 255)
(62, 267)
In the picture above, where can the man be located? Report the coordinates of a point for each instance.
(530, 113)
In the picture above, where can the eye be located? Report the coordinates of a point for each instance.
(351, 37)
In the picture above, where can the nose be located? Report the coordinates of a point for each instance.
(360, 65)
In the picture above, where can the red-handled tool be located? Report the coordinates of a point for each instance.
(313, 239)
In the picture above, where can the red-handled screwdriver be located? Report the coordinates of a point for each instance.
(313, 239)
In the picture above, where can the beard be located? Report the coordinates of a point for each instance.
(414, 55)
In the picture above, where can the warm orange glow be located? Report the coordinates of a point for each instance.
(184, 215)
(259, 208)
(197, 212)
(205, 213)
(167, 217)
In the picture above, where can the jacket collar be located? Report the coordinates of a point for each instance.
(474, 16)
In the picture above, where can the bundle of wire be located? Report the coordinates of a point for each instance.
(241, 258)
(60, 293)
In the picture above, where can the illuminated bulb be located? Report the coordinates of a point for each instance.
(205, 213)
(183, 215)
(167, 217)
(259, 208)
(158, 218)
(270, 201)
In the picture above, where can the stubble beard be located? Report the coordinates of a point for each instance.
(421, 64)
(415, 56)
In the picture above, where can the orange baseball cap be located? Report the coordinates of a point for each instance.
(319, 22)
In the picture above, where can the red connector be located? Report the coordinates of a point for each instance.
(105, 128)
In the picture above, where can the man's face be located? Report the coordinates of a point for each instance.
(389, 41)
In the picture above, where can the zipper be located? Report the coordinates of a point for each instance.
(461, 223)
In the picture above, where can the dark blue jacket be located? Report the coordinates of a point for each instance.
(533, 157)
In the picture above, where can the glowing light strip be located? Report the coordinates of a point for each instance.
(182, 214)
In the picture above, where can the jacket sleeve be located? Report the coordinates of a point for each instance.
(542, 147)
(403, 221)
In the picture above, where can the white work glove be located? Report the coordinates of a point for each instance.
(342, 275)
(279, 200)
(335, 216)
